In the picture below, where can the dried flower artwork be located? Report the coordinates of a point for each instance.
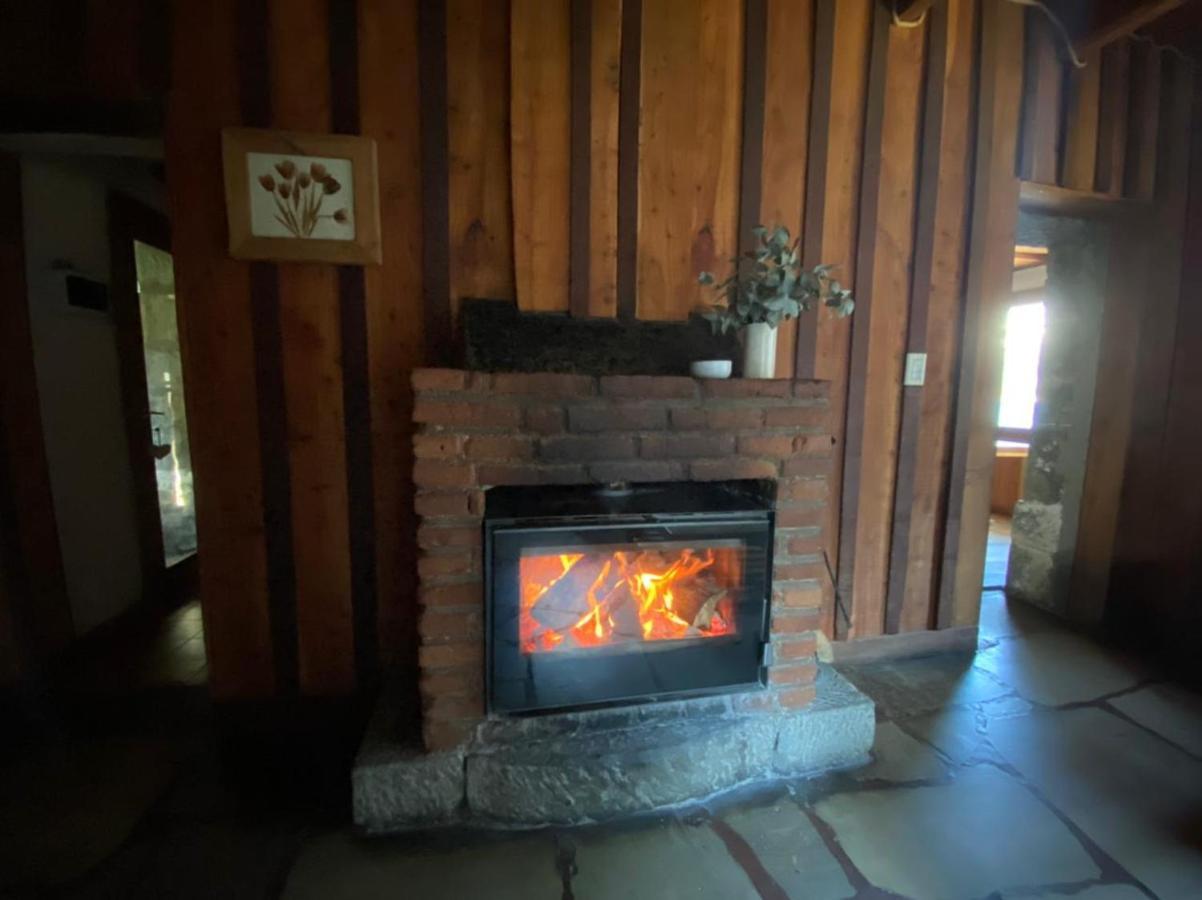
(301, 197)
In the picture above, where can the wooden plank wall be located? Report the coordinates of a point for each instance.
(513, 140)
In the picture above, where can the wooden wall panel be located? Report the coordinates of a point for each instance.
(1113, 120)
(389, 112)
(1139, 178)
(1043, 95)
(540, 150)
(842, 32)
(940, 241)
(883, 268)
(214, 305)
(989, 282)
(481, 212)
(605, 55)
(1081, 124)
(311, 338)
(789, 68)
(689, 157)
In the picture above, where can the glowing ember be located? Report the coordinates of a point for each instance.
(575, 600)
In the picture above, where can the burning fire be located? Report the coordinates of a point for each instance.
(574, 600)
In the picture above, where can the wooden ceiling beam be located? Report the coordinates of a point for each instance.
(1122, 22)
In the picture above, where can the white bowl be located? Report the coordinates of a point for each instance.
(711, 368)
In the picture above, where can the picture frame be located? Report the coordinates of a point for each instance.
(294, 197)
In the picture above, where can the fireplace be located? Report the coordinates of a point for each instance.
(623, 594)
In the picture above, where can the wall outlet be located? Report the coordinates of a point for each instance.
(916, 370)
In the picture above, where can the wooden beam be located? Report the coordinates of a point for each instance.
(1113, 120)
(912, 10)
(1080, 160)
(1043, 90)
(1048, 198)
(1123, 23)
(990, 273)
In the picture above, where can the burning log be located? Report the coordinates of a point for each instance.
(566, 599)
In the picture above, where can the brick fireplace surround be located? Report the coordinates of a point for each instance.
(479, 430)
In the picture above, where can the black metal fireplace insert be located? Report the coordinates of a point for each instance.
(618, 594)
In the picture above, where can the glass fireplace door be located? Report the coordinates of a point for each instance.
(585, 613)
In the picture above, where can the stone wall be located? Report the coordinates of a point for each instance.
(478, 430)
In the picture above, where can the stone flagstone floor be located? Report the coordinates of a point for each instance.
(1046, 766)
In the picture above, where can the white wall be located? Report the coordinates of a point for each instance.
(75, 354)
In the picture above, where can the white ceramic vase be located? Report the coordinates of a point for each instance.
(759, 351)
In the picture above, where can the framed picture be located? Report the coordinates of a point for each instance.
(301, 197)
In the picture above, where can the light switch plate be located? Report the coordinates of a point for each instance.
(916, 370)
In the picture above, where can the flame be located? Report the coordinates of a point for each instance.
(578, 600)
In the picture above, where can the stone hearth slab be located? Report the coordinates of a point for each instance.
(605, 764)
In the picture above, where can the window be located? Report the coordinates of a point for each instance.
(1020, 366)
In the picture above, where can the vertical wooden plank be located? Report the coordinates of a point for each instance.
(438, 318)
(688, 181)
(29, 544)
(389, 109)
(883, 265)
(989, 275)
(842, 39)
(940, 238)
(311, 339)
(629, 93)
(1138, 546)
(481, 210)
(1043, 87)
(605, 53)
(214, 305)
(789, 65)
(751, 141)
(1139, 176)
(1113, 118)
(540, 150)
(1081, 124)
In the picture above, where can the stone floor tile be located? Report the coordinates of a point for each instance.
(983, 833)
(1058, 668)
(667, 861)
(1172, 712)
(960, 734)
(899, 757)
(1135, 796)
(1097, 892)
(791, 850)
(344, 867)
(911, 687)
(1001, 618)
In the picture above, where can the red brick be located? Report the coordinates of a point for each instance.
(544, 384)
(461, 680)
(792, 648)
(686, 446)
(544, 419)
(689, 418)
(466, 593)
(439, 380)
(617, 418)
(735, 388)
(722, 469)
(794, 673)
(795, 417)
(807, 516)
(640, 470)
(796, 697)
(804, 545)
(446, 735)
(443, 503)
(778, 446)
(581, 448)
(807, 467)
(735, 417)
(447, 656)
(531, 473)
(645, 387)
(429, 567)
(432, 536)
(812, 390)
(450, 413)
(814, 445)
(812, 490)
(761, 701)
(499, 447)
(796, 621)
(435, 473)
(801, 597)
(443, 627)
(453, 706)
(799, 571)
(437, 446)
